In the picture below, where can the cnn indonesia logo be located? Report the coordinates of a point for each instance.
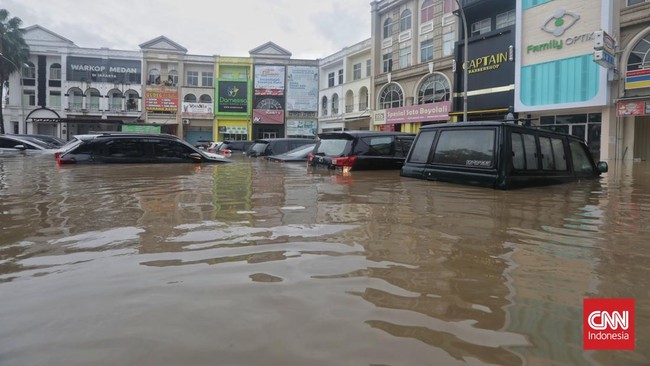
(608, 324)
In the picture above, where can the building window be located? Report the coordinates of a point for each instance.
(154, 77)
(405, 21)
(585, 126)
(639, 57)
(363, 99)
(482, 26)
(75, 99)
(207, 78)
(388, 28)
(324, 106)
(634, 2)
(243, 76)
(55, 72)
(205, 99)
(356, 71)
(29, 71)
(448, 41)
(192, 78)
(404, 57)
(368, 68)
(330, 80)
(391, 97)
(190, 98)
(506, 19)
(226, 75)
(115, 100)
(434, 88)
(426, 11)
(340, 76)
(93, 101)
(426, 50)
(449, 6)
(335, 104)
(132, 101)
(55, 98)
(172, 78)
(387, 60)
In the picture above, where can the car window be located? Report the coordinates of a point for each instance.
(127, 148)
(558, 154)
(524, 152)
(259, 147)
(300, 151)
(402, 146)
(332, 147)
(8, 143)
(474, 148)
(377, 145)
(553, 157)
(422, 147)
(581, 162)
(171, 149)
(279, 147)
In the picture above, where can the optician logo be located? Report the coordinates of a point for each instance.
(560, 21)
(608, 324)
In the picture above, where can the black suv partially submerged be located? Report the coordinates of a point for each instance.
(266, 147)
(114, 148)
(361, 150)
(500, 155)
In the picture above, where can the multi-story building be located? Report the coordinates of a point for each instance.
(633, 90)
(173, 76)
(412, 50)
(345, 88)
(65, 89)
(285, 93)
(233, 111)
(490, 66)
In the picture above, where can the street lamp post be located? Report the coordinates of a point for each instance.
(22, 103)
(465, 60)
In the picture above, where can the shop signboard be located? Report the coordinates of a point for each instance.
(269, 80)
(140, 128)
(161, 99)
(301, 128)
(302, 88)
(268, 116)
(624, 109)
(233, 96)
(103, 70)
(198, 108)
(637, 79)
(379, 117)
(418, 113)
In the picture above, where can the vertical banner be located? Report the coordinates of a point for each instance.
(302, 88)
(269, 80)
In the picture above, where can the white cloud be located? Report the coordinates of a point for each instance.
(307, 28)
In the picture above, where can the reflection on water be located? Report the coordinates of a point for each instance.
(266, 263)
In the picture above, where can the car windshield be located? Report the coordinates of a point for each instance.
(332, 147)
(300, 151)
(259, 147)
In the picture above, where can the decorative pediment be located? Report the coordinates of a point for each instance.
(163, 43)
(36, 34)
(270, 49)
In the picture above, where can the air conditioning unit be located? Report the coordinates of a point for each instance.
(186, 121)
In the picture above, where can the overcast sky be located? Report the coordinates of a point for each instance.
(309, 29)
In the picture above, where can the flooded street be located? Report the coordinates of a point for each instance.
(262, 263)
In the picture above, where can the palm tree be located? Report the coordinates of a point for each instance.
(13, 51)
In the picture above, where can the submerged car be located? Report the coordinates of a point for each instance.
(275, 146)
(23, 144)
(54, 141)
(115, 148)
(500, 155)
(298, 154)
(361, 150)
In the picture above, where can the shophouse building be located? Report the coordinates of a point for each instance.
(412, 45)
(233, 106)
(557, 83)
(178, 91)
(345, 89)
(633, 89)
(285, 93)
(65, 90)
(490, 66)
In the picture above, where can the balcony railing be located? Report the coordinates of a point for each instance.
(349, 108)
(363, 106)
(75, 106)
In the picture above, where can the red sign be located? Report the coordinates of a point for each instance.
(608, 324)
(630, 109)
(390, 127)
(268, 116)
(161, 99)
(419, 113)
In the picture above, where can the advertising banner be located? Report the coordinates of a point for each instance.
(103, 70)
(302, 88)
(637, 79)
(301, 128)
(198, 108)
(161, 99)
(269, 80)
(141, 128)
(630, 109)
(418, 113)
(233, 96)
(268, 116)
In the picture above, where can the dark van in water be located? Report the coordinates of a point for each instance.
(361, 150)
(501, 155)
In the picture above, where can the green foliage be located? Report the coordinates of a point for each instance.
(13, 50)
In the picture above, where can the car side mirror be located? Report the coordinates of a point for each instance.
(196, 156)
(602, 167)
(20, 147)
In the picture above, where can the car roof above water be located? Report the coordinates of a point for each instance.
(361, 133)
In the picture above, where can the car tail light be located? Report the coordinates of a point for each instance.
(57, 155)
(347, 161)
(62, 160)
(310, 157)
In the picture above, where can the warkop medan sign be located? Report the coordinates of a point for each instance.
(103, 70)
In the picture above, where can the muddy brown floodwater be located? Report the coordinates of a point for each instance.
(261, 263)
